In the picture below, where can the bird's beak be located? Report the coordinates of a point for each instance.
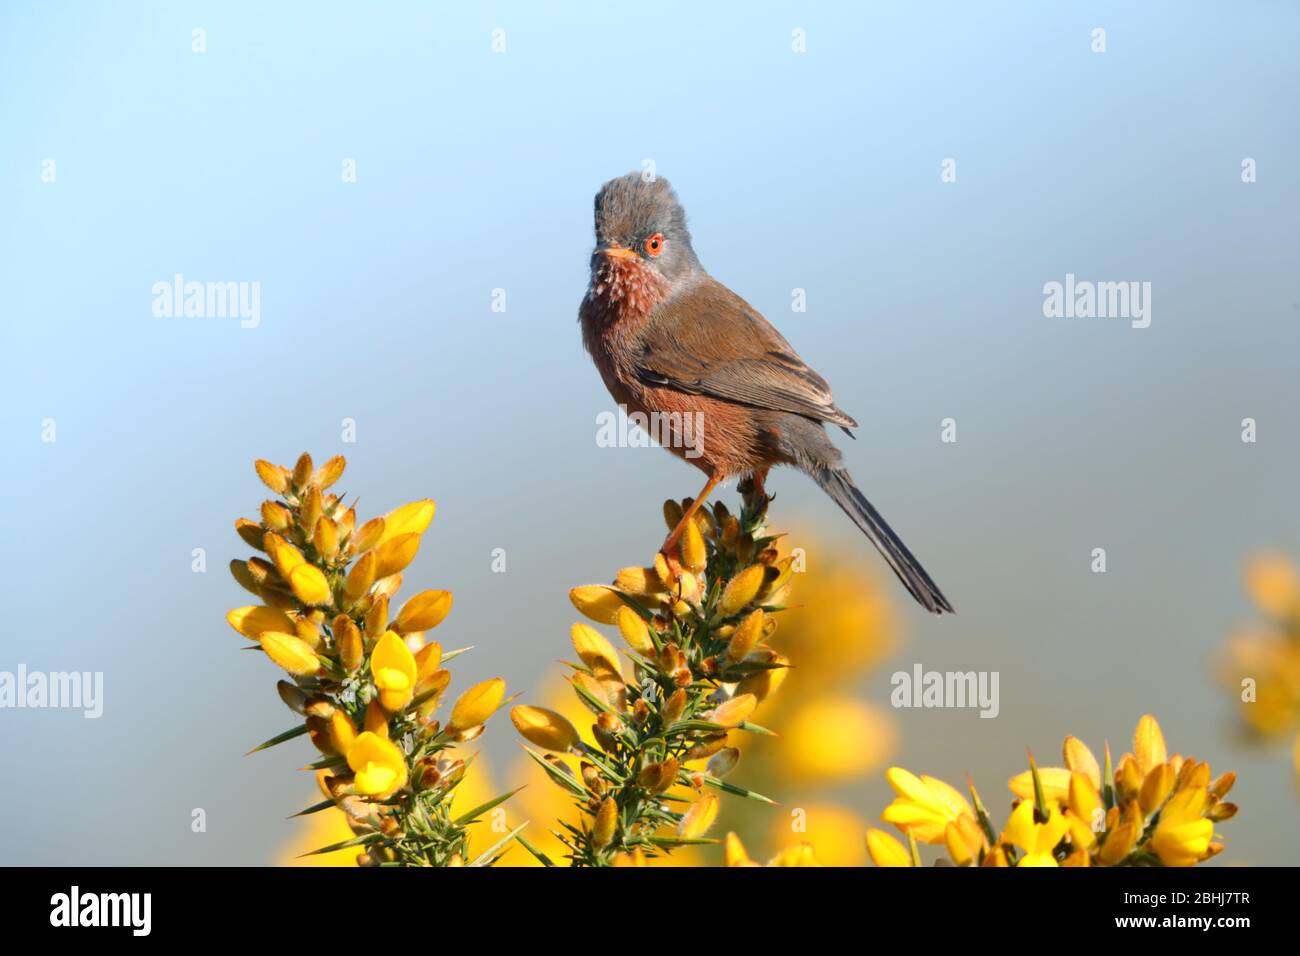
(613, 250)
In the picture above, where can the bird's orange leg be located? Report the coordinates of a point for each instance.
(670, 542)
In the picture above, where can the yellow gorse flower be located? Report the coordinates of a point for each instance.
(1155, 809)
(801, 854)
(661, 733)
(392, 666)
(1037, 839)
(1260, 662)
(324, 588)
(545, 728)
(924, 805)
(379, 766)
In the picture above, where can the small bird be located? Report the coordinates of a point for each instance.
(676, 345)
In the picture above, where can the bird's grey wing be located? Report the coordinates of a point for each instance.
(708, 341)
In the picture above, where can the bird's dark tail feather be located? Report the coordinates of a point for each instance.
(837, 483)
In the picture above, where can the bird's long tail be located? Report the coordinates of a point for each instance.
(837, 483)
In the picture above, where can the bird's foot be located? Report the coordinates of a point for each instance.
(671, 568)
(755, 499)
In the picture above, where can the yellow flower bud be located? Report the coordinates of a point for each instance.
(427, 661)
(1222, 811)
(1121, 840)
(884, 850)
(476, 705)
(741, 590)
(290, 652)
(1149, 744)
(734, 852)
(701, 815)
(1155, 788)
(380, 768)
(284, 555)
(377, 617)
(392, 665)
(691, 548)
(963, 840)
(326, 538)
(411, 518)
(635, 858)
(762, 684)
(394, 554)
(545, 728)
(674, 706)
(596, 652)
(424, 611)
(342, 731)
(361, 577)
(240, 572)
(329, 472)
(274, 477)
(639, 582)
(275, 516)
(347, 523)
(307, 627)
(672, 514)
(347, 638)
(1084, 802)
(292, 695)
(310, 585)
(635, 631)
(734, 712)
(1223, 784)
(747, 636)
(254, 534)
(607, 690)
(1128, 779)
(1079, 758)
(433, 686)
(376, 719)
(254, 620)
(597, 602)
(302, 470)
(605, 825)
(368, 535)
(661, 571)
(658, 777)
(309, 511)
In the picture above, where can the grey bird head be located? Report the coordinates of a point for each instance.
(642, 221)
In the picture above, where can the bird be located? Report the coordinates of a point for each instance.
(675, 345)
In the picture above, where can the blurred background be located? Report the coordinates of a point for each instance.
(474, 172)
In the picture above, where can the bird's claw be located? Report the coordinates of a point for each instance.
(674, 566)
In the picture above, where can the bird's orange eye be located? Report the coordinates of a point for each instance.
(655, 244)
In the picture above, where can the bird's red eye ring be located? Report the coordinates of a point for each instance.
(655, 244)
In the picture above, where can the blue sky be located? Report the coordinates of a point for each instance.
(476, 171)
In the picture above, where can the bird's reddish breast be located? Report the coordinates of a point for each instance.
(619, 301)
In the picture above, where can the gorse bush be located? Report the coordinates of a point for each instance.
(663, 738)
(367, 684)
(1152, 809)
